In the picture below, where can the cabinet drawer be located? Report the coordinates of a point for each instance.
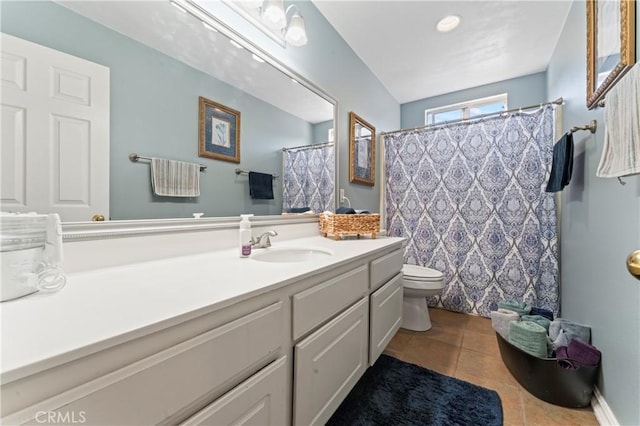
(386, 316)
(385, 267)
(158, 388)
(314, 306)
(328, 363)
(259, 400)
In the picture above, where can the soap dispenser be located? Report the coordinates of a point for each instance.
(245, 235)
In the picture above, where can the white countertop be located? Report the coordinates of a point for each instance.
(101, 308)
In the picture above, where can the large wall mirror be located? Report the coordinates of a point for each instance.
(161, 60)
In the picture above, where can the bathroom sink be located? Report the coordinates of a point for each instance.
(289, 254)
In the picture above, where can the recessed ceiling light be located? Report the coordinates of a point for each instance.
(448, 23)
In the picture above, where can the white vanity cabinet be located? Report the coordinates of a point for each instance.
(172, 384)
(328, 363)
(284, 355)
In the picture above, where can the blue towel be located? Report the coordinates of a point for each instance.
(345, 210)
(562, 164)
(561, 331)
(298, 209)
(542, 312)
(260, 186)
(520, 308)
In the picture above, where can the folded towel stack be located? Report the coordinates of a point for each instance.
(500, 320)
(529, 337)
(538, 319)
(561, 331)
(578, 354)
(542, 312)
(299, 209)
(520, 308)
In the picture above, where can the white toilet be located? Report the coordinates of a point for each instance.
(419, 283)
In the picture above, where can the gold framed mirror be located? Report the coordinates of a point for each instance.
(610, 45)
(362, 151)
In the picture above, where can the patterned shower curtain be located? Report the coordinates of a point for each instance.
(309, 175)
(469, 198)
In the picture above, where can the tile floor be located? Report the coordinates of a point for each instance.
(465, 346)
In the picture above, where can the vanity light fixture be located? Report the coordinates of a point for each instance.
(448, 23)
(272, 15)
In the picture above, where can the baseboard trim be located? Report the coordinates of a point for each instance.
(601, 409)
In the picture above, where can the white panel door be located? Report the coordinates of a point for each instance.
(55, 132)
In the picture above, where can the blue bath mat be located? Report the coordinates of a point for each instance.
(393, 392)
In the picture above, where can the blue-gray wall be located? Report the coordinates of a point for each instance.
(600, 227)
(522, 91)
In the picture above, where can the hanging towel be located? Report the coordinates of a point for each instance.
(621, 151)
(260, 186)
(538, 319)
(500, 320)
(542, 312)
(171, 178)
(561, 331)
(577, 354)
(530, 337)
(562, 165)
(520, 308)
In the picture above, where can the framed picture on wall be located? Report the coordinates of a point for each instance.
(362, 151)
(219, 130)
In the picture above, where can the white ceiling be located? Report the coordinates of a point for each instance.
(496, 40)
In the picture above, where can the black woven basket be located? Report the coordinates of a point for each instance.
(545, 379)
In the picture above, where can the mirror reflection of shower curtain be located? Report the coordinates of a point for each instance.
(470, 199)
(309, 174)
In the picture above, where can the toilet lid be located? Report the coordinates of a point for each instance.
(420, 273)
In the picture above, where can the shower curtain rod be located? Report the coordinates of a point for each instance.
(477, 117)
(303, 147)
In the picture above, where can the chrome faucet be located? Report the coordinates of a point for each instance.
(263, 241)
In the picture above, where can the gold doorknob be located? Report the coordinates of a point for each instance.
(633, 264)
(97, 218)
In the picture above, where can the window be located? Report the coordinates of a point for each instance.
(465, 110)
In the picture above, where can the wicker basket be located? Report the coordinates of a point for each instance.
(340, 225)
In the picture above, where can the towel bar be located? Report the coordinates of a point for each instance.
(135, 158)
(592, 127)
(244, 172)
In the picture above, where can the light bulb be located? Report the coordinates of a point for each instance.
(296, 34)
(273, 15)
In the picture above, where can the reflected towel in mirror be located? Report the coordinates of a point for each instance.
(260, 186)
(170, 178)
